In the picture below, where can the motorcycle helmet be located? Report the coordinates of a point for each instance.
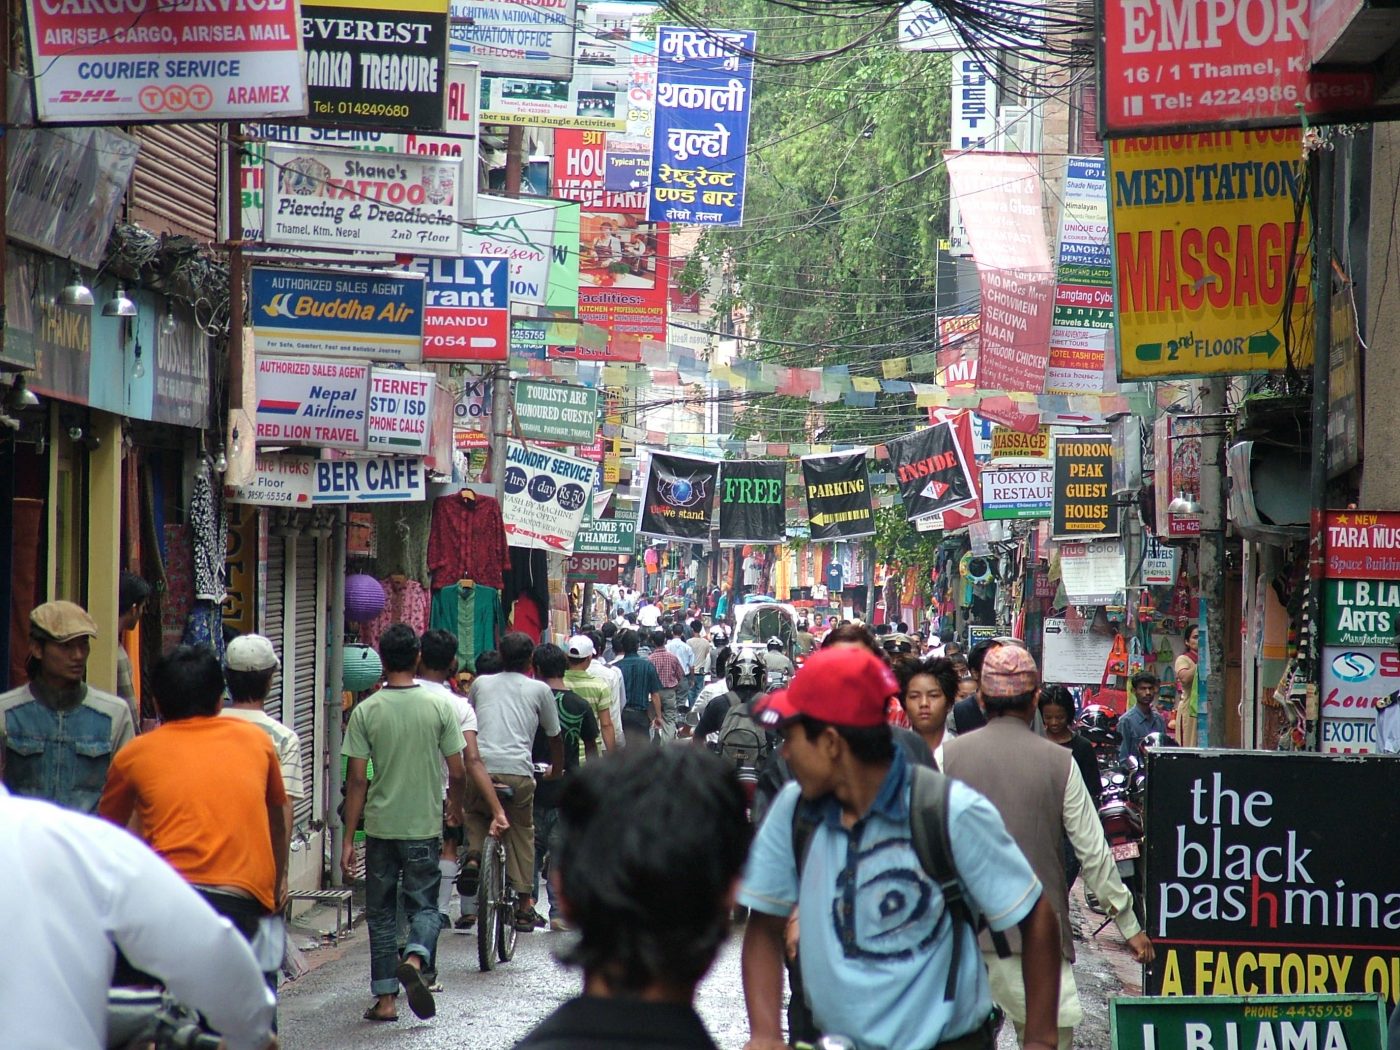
(745, 671)
(1152, 740)
(775, 643)
(1097, 716)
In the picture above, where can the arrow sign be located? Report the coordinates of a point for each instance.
(1149, 352)
(1264, 343)
(819, 520)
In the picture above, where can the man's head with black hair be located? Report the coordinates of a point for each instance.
(398, 648)
(677, 630)
(132, 594)
(488, 662)
(549, 661)
(609, 629)
(627, 642)
(652, 844)
(517, 648)
(189, 683)
(439, 650)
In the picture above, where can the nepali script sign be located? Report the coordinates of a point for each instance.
(699, 150)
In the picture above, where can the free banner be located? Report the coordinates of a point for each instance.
(931, 472)
(1259, 883)
(322, 313)
(678, 497)
(546, 498)
(999, 197)
(838, 495)
(751, 501)
(700, 137)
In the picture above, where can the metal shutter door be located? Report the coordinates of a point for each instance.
(175, 186)
(303, 699)
(274, 610)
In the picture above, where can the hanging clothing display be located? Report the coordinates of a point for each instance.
(401, 533)
(210, 539)
(528, 583)
(467, 541)
(405, 601)
(473, 614)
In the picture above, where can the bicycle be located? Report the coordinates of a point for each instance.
(496, 899)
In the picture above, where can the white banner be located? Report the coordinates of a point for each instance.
(390, 479)
(277, 481)
(400, 411)
(521, 232)
(1074, 657)
(546, 497)
(972, 125)
(319, 403)
(523, 38)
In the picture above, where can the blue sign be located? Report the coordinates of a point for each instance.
(626, 172)
(699, 150)
(470, 281)
(326, 313)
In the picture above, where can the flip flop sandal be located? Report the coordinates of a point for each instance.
(420, 999)
(373, 1014)
(468, 875)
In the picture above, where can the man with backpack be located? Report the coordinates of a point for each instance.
(891, 867)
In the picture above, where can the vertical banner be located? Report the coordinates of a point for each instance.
(931, 472)
(957, 351)
(838, 495)
(700, 137)
(546, 497)
(751, 501)
(678, 497)
(972, 125)
(1083, 506)
(623, 270)
(999, 194)
(1081, 331)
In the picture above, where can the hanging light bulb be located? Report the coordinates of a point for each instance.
(220, 461)
(167, 323)
(138, 371)
(237, 446)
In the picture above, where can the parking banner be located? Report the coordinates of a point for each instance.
(751, 501)
(838, 495)
(931, 471)
(678, 497)
(546, 497)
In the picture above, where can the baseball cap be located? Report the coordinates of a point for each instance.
(251, 652)
(63, 621)
(581, 647)
(1009, 670)
(844, 685)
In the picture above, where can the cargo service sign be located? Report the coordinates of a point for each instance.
(322, 313)
(138, 61)
(1209, 243)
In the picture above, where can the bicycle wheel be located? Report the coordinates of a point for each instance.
(488, 908)
(505, 947)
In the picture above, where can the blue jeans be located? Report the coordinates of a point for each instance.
(546, 844)
(415, 863)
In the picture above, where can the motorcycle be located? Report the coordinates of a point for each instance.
(1120, 812)
(149, 1018)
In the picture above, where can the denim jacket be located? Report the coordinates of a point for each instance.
(61, 753)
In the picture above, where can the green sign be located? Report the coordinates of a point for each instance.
(1228, 1022)
(556, 412)
(607, 536)
(1361, 612)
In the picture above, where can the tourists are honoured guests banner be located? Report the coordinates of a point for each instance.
(678, 497)
(751, 501)
(838, 495)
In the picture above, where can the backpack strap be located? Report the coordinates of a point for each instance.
(804, 822)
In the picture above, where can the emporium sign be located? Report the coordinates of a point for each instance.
(138, 61)
(323, 313)
(337, 198)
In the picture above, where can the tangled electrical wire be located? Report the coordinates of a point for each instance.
(175, 266)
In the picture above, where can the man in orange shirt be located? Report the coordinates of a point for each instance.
(206, 793)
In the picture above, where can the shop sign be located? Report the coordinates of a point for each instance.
(624, 274)
(1083, 505)
(1363, 545)
(277, 481)
(1093, 573)
(523, 234)
(1158, 563)
(1361, 612)
(931, 471)
(1208, 232)
(1176, 451)
(1248, 1022)
(241, 564)
(324, 313)
(546, 497)
(468, 308)
(524, 38)
(972, 124)
(97, 64)
(1202, 66)
(1073, 657)
(317, 197)
(607, 536)
(547, 411)
(43, 334)
(592, 568)
(579, 171)
(1271, 873)
(1016, 492)
(1343, 391)
(471, 415)
(979, 633)
(1081, 329)
(321, 403)
(1014, 444)
(559, 105)
(380, 63)
(388, 479)
(837, 487)
(179, 368)
(1353, 679)
(400, 411)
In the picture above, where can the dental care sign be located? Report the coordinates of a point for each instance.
(312, 402)
(316, 197)
(388, 479)
(323, 313)
(546, 497)
(138, 61)
(400, 411)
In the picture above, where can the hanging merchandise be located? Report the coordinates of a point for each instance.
(404, 601)
(1112, 691)
(361, 668)
(467, 540)
(364, 597)
(1136, 660)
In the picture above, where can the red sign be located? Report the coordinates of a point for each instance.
(592, 568)
(578, 173)
(1363, 545)
(1208, 64)
(957, 352)
(465, 333)
(624, 274)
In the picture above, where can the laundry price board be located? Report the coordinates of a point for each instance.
(1254, 1022)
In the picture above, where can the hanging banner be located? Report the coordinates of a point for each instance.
(957, 352)
(1081, 328)
(521, 38)
(1093, 573)
(546, 411)
(1211, 248)
(1000, 201)
(380, 63)
(678, 497)
(276, 481)
(400, 411)
(624, 273)
(321, 403)
(391, 479)
(972, 125)
(139, 62)
(533, 237)
(931, 472)
(578, 174)
(751, 501)
(337, 198)
(838, 496)
(1016, 492)
(467, 313)
(546, 497)
(324, 313)
(549, 104)
(607, 536)
(1083, 505)
(700, 138)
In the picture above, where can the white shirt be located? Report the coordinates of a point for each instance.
(752, 571)
(70, 886)
(287, 743)
(466, 716)
(649, 615)
(613, 677)
(682, 652)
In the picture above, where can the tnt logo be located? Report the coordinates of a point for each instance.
(176, 98)
(90, 95)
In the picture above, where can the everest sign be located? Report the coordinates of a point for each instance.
(140, 61)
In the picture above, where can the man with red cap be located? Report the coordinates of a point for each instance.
(884, 962)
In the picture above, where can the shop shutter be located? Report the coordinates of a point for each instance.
(274, 609)
(175, 186)
(308, 642)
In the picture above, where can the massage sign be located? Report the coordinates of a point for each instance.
(1083, 500)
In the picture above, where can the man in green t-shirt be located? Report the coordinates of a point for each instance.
(595, 690)
(403, 728)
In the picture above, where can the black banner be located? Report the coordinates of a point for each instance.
(838, 496)
(375, 65)
(679, 497)
(1083, 507)
(931, 472)
(751, 501)
(1272, 874)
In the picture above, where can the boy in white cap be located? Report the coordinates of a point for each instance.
(249, 665)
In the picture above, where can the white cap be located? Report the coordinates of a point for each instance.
(581, 647)
(251, 652)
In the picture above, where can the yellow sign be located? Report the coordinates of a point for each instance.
(1012, 444)
(1210, 253)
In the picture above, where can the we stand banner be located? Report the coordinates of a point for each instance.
(678, 497)
(838, 496)
(932, 474)
(751, 502)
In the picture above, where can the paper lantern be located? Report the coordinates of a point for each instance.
(362, 669)
(364, 597)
